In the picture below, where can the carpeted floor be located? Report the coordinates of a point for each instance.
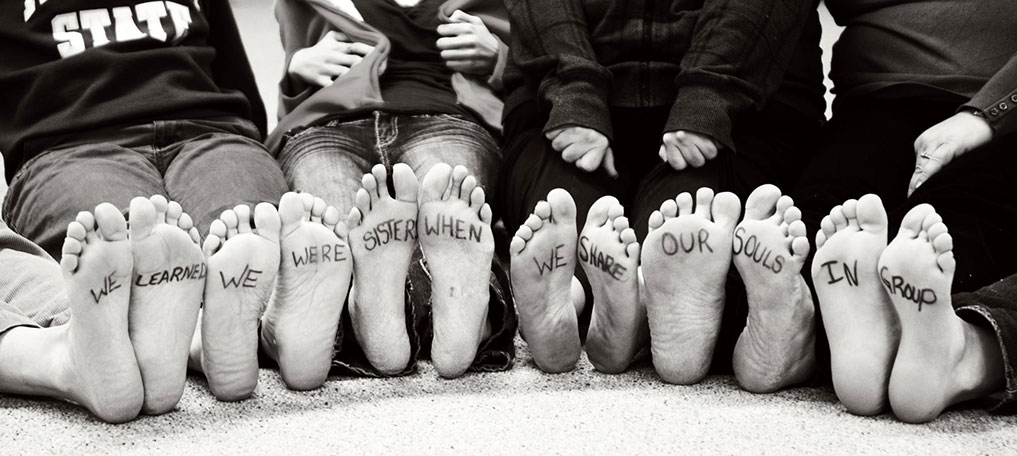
(522, 411)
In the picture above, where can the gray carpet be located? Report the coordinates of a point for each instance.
(522, 411)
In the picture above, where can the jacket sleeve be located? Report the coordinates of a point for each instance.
(552, 50)
(997, 100)
(299, 27)
(739, 52)
(230, 68)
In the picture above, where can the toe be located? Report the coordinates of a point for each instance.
(161, 205)
(631, 246)
(524, 232)
(542, 210)
(70, 252)
(355, 218)
(930, 220)
(620, 223)
(173, 211)
(143, 217)
(533, 222)
(726, 209)
(598, 215)
(331, 217)
(459, 174)
(911, 225)
(370, 184)
(214, 239)
(291, 210)
(761, 202)
(466, 191)
(684, 203)
(363, 201)
(820, 239)
(837, 218)
(827, 226)
(704, 201)
(477, 197)
(799, 243)
(780, 211)
(110, 222)
(230, 218)
(563, 207)
(937, 230)
(943, 243)
(947, 263)
(850, 210)
(266, 220)
(668, 210)
(871, 214)
(436, 183)
(405, 183)
(486, 215)
(243, 212)
(75, 230)
(656, 220)
(516, 245)
(340, 229)
(380, 174)
(318, 210)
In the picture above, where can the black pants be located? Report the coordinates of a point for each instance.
(772, 147)
(868, 147)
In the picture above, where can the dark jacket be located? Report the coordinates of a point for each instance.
(58, 78)
(708, 59)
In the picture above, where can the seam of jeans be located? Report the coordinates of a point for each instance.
(379, 145)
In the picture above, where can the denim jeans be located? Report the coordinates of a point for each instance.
(329, 161)
(205, 165)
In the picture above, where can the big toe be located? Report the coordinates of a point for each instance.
(726, 209)
(762, 202)
(563, 207)
(143, 217)
(601, 211)
(436, 183)
(405, 182)
(871, 214)
(267, 221)
(911, 225)
(292, 209)
(111, 222)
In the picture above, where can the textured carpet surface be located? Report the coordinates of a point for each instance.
(522, 411)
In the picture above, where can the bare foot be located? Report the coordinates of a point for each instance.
(859, 319)
(942, 360)
(102, 372)
(685, 261)
(458, 244)
(609, 254)
(242, 266)
(383, 235)
(543, 253)
(169, 277)
(776, 348)
(299, 326)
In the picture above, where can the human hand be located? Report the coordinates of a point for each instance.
(586, 147)
(945, 141)
(682, 149)
(467, 46)
(327, 60)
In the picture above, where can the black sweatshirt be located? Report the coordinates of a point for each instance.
(72, 66)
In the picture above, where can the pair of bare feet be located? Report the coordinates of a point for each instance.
(894, 337)
(674, 285)
(446, 213)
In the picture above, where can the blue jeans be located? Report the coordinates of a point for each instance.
(206, 165)
(329, 161)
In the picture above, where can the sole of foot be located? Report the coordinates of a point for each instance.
(685, 261)
(383, 236)
(97, 265)
(860, 321)
(776, 348)
(543, 262)
(941, 360)
(242, 266)
(609, 254)
(166, 292)
(456, 239)
(301, 321)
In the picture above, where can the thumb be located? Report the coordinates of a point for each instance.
(608, 163)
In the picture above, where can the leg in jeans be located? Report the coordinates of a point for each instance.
(87, 359)
(215, 165)
(55, 186)
(422, 142)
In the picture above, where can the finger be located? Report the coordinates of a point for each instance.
(334, 71)
(935, 162)
(460, 16)
(709, 149)
(462, 66)
(455, 29)
(456, 42)
(361, 49)
(563, 140)
(334, 35)
(591, 160)
(574, 152)
(324, 80)
(460, 54)
(692, 155)
(675, 159)
(608, 163)
(346, 60)
(662, 153)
